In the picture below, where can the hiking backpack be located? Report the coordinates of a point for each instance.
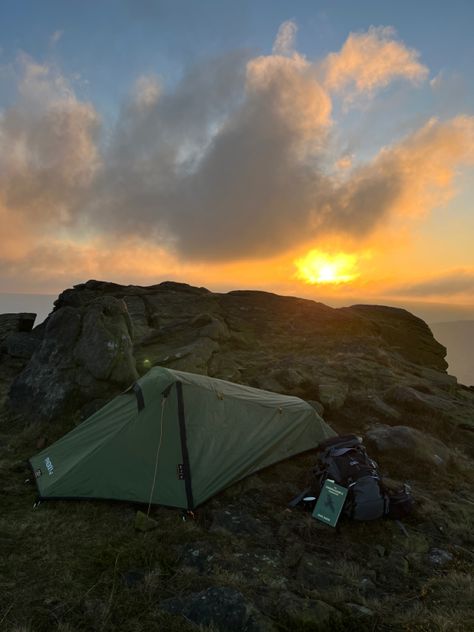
(345, 461)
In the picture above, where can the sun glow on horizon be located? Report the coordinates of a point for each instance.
(320, 268)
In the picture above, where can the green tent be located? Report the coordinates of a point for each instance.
(176, 439)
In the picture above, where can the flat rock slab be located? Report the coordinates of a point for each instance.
(238, 522)
(258, 566)
(307, 614)
(224, 608)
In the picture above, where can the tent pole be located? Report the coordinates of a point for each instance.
(184, 447)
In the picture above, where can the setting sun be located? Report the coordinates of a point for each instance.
(317, 267)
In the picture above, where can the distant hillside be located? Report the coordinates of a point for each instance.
(458, 337)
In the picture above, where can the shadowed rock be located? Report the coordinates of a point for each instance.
(223, 608)
(101, 335)
(408, 443)
(85, 353)
(12, 323)
(407, 333)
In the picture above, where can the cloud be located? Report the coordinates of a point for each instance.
(48, 147)
(344, 162)
(407, 178)
(236, 161)
(371, 60)
(220, 177)
(55, 37)
(59, 262)
(147, 91)
(455, 282)
(285, 39)
(426, 162)
(232, 164)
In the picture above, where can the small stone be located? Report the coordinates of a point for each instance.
(333, 393)
(439, 557)
(362, 611)
(380, 549)
(367, 586)
(201, 556)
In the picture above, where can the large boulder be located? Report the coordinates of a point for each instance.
(85, 353)
(13, 323)
(406, 333)
(104, 348)
(409, 399)
(408, 444)
(332, 393)
(21, 344)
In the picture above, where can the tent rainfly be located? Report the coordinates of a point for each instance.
(176, 439)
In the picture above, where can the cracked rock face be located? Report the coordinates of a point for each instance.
(85, 352)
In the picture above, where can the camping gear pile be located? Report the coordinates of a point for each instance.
(177, 439)
(345, 462)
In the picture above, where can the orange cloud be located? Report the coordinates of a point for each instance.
(427, 161)
(234, 165)
(56, 263)
(290, 86)
(371, 60)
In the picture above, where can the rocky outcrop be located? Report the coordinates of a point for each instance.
(13, 323)
(244, 561)
(406, 333)
(85, 354)
(101, 336)
(407, 444)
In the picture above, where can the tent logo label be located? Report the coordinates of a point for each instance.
(38, 473)
(180, 469)
(49, 466)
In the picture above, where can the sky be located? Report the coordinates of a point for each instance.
(316, 148)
